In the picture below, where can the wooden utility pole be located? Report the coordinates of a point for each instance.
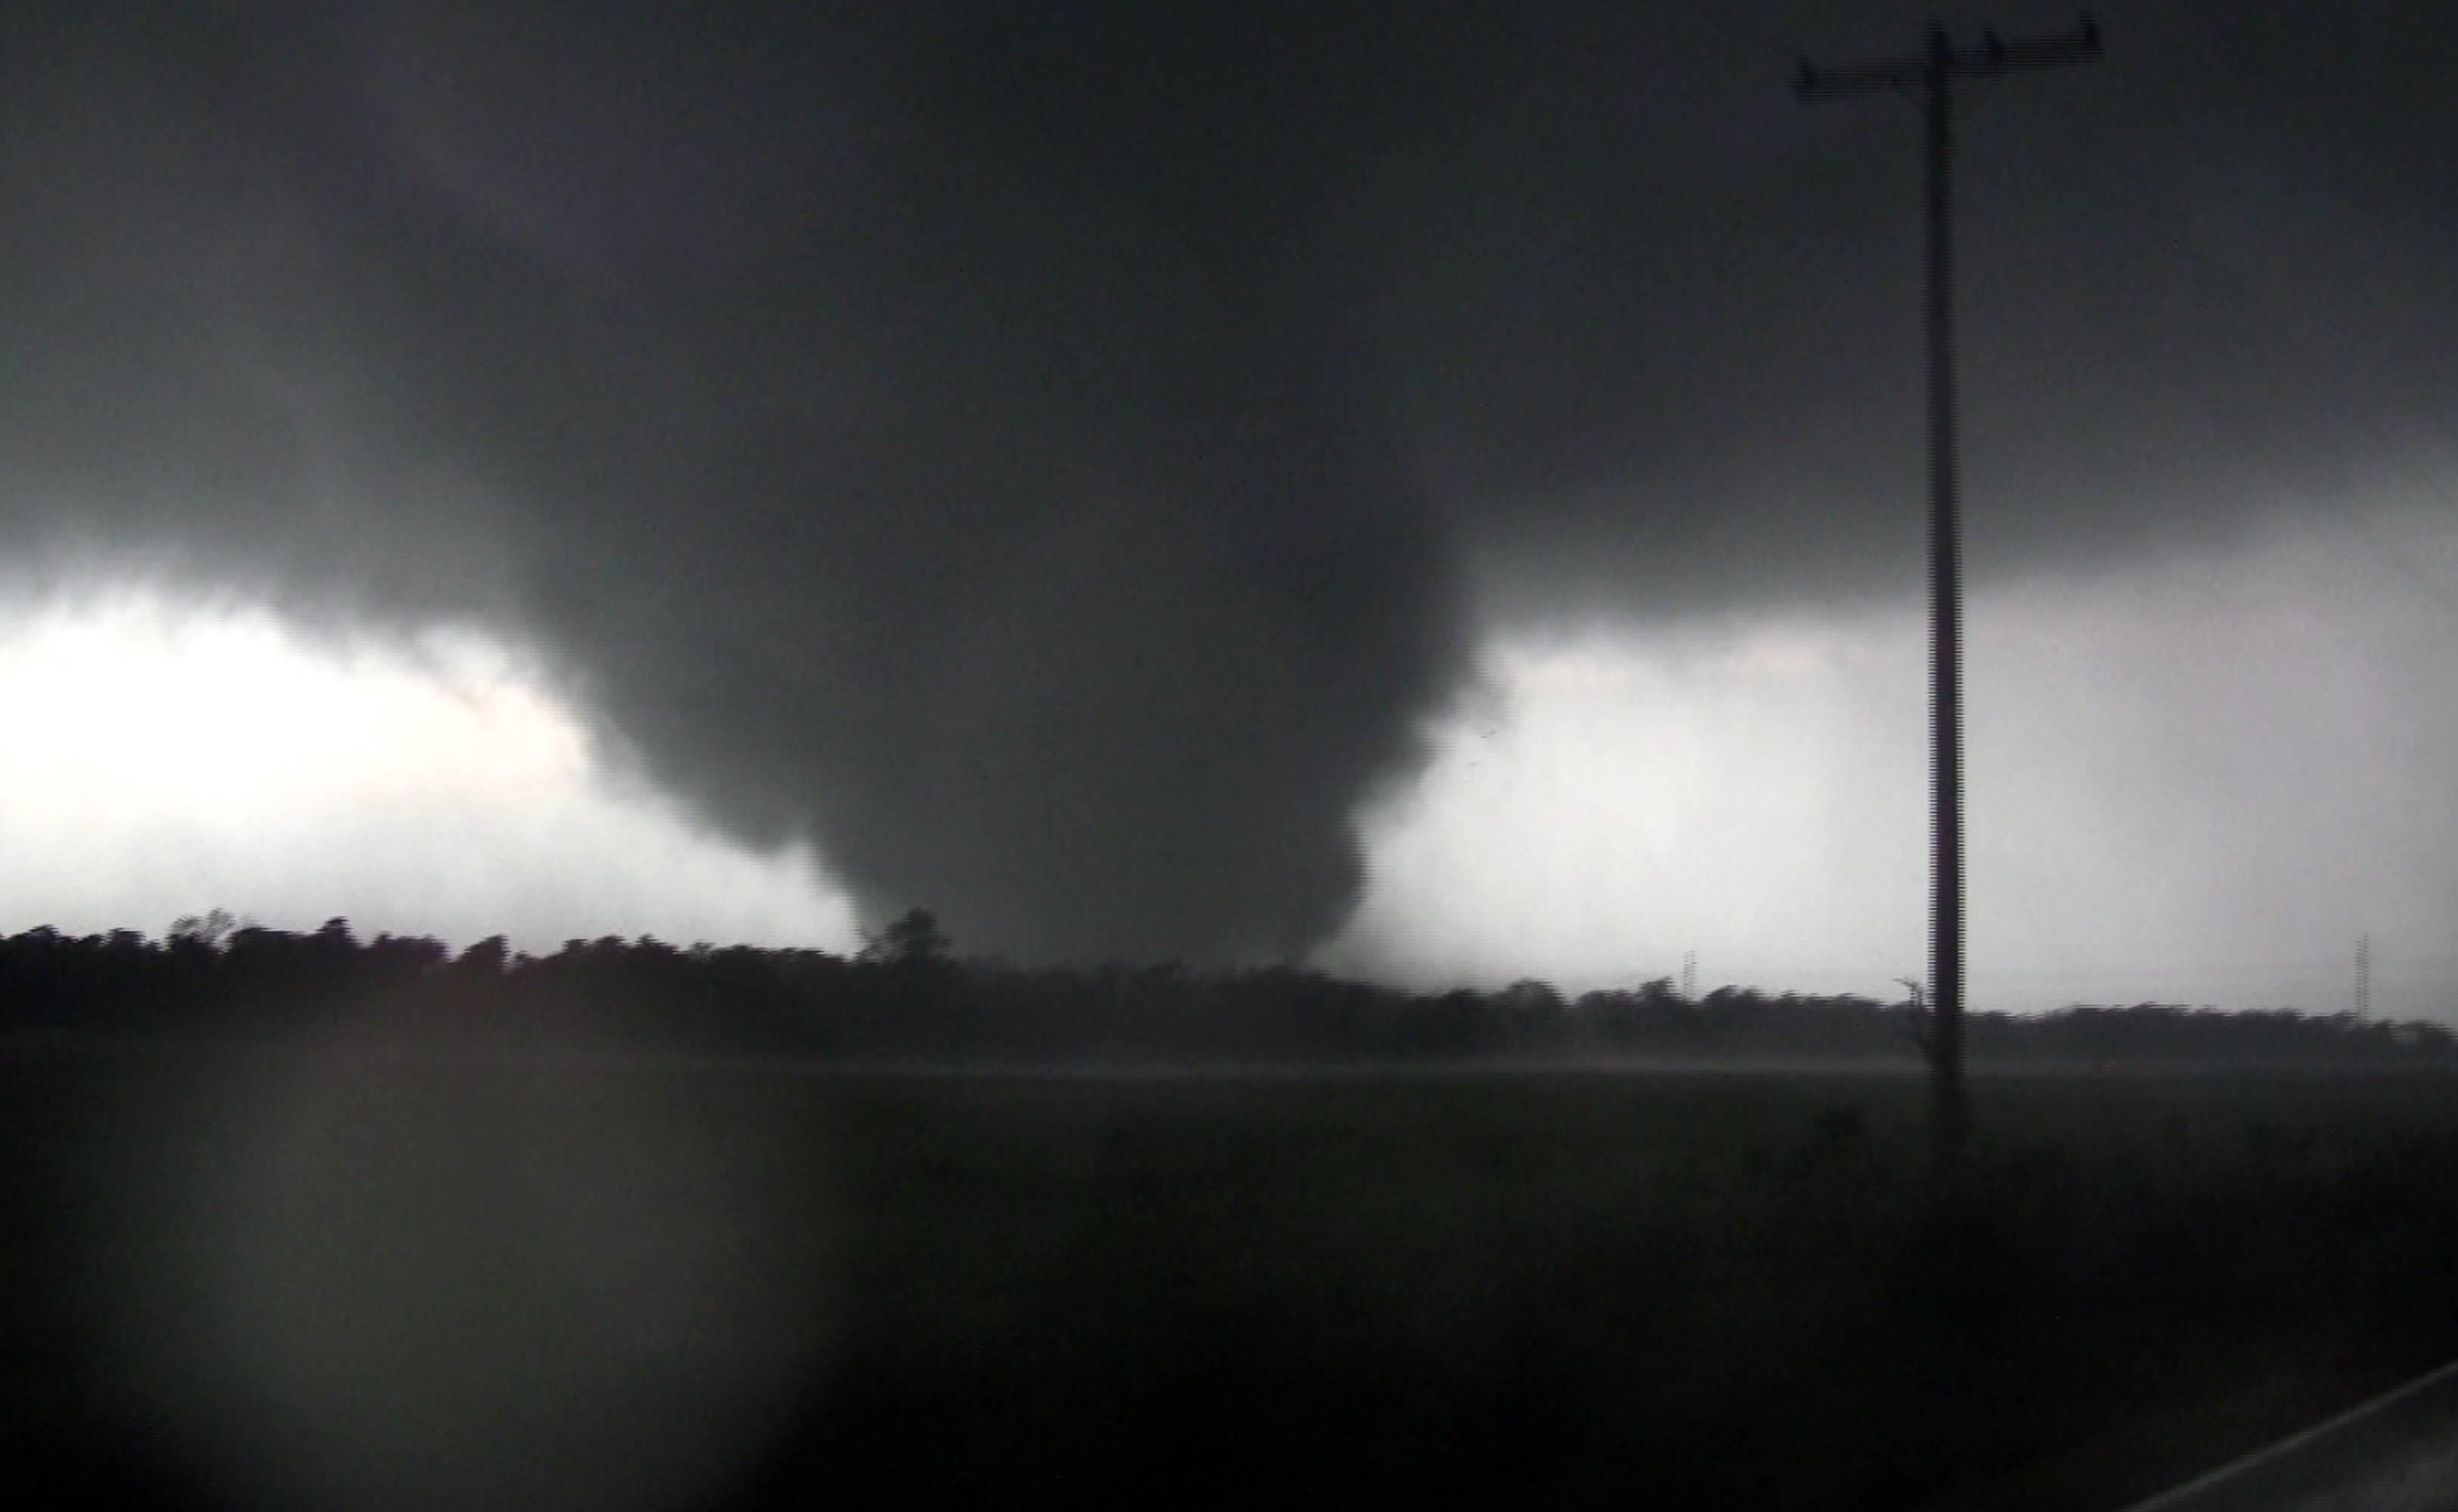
(1930, 76)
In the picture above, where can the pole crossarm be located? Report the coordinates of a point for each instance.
(1993, 55)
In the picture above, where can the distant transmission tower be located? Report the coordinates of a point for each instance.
(1690, 975)
(2364, 976)
(1929, 75)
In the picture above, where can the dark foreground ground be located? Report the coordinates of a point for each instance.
(296, 1280)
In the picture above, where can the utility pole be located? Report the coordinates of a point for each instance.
(2364, 976)
(1690, 976)
(1930, 76)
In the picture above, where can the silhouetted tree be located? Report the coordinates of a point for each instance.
(907, 995)
(913, 938)
(208, 929)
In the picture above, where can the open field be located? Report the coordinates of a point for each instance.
(306, 1279)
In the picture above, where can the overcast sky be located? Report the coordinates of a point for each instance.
(1436, 490)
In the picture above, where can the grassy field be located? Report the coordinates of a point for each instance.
(302, 1280)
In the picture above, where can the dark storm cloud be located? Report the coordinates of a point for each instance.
(2209, 272)
(1049, 452)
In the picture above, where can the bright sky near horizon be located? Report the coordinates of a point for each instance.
(165, 761)
(2198, 781)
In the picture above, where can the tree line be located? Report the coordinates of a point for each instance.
(908, 996)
